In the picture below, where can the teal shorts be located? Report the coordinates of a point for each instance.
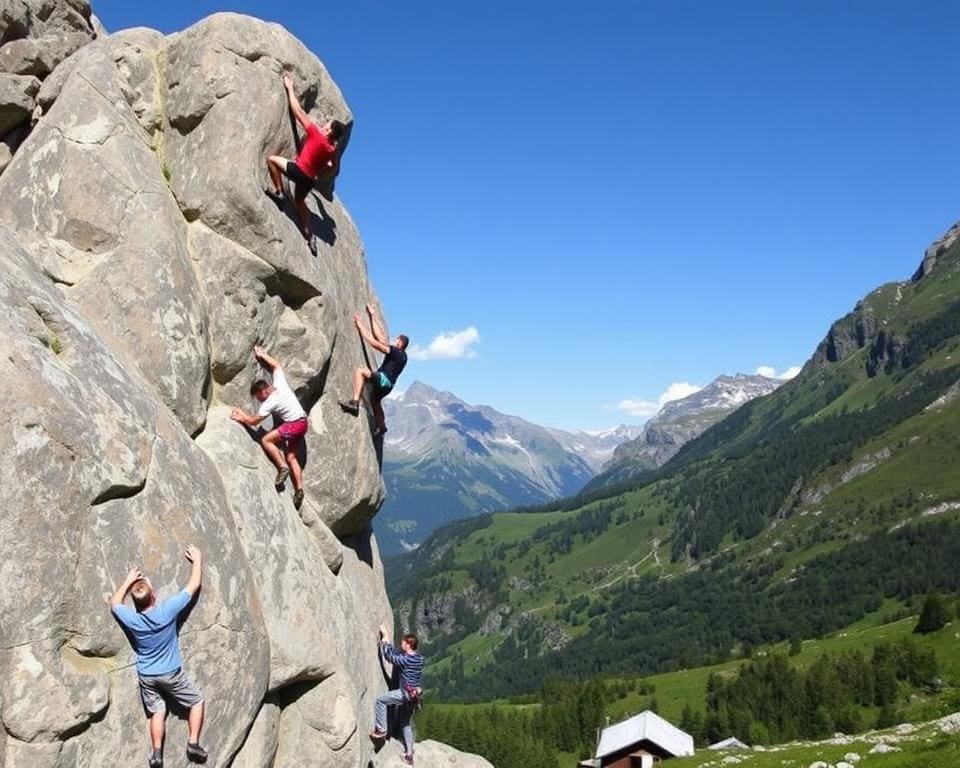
(381, 383)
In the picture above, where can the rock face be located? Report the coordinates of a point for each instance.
(141, 262)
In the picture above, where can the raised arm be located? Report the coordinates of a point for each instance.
(295, 102)
(270, 363)
(196, 573)
(378, 332)
(368, 337)
(124, 587)
(390, 653)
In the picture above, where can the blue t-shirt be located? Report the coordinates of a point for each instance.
(154, 634)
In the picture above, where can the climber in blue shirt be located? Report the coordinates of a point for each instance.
(152, 630)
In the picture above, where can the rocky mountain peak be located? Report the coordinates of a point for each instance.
(936, 250)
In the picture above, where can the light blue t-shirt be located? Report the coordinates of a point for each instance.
(154, 634)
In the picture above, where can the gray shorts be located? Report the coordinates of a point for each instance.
(156, 689)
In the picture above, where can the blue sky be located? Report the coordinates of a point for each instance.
(622, 196)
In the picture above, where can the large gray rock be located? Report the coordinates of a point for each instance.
(140, 263)
(16, 100)
(430, 754)
(36, 35)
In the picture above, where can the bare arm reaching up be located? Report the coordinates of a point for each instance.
(378, 332)
(270, 363)
(368, 337)
(295, 107)
(196, 573)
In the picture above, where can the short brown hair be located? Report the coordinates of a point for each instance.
(142, 594)
(405, 339)
(337, 129)
(411, 640)
(258, 386)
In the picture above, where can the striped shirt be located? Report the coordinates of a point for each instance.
(410, 665)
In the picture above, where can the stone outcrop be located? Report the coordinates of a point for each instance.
(35, 37)
(141, 262)
(433, 755)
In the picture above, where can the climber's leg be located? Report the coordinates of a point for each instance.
(389, 699)
(195, 722)
(406, 724)
(157, 726)
(360, 377)
(296, 473)
(301, 203)
(271, 447)
(277, 165)
(378, 415)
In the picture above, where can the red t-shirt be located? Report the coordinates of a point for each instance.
(315, 152)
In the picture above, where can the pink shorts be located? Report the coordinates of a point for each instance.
(293, 431)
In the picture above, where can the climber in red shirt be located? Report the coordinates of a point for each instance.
(318, 154)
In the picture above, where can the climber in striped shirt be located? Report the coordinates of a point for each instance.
(408, 665)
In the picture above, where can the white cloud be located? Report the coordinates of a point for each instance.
(449, 345)
(771, 373)
(792, 371)
(644, 409)
(678, 390)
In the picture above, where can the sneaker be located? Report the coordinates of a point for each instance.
(312, 243)
(378, 735)
(379, 431)
(156, 759)
(277, 197)
(196, 753)
(408, 759)
(351, 406)
(297, 499)
(282, 474)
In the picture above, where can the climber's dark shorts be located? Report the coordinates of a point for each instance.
(382, 385)
(302, 184)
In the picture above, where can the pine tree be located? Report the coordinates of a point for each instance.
(933, 616)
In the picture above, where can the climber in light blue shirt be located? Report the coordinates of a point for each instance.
(152, 630)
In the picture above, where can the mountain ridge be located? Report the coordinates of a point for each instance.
(678, 422)
(445, 459)
(797, 514)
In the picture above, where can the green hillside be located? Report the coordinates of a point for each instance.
(557, 725)
(799, 514)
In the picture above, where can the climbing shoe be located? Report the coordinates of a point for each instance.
(378, 735)
(277, 197)
(297, 498)
(156, 759)
(408, 759)
(351, 406)
(379, 431)
(312, 243)
(196, 753)
(282, 474)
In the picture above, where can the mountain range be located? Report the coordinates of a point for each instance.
(679, 422)
(832, 498)
(445, 459)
